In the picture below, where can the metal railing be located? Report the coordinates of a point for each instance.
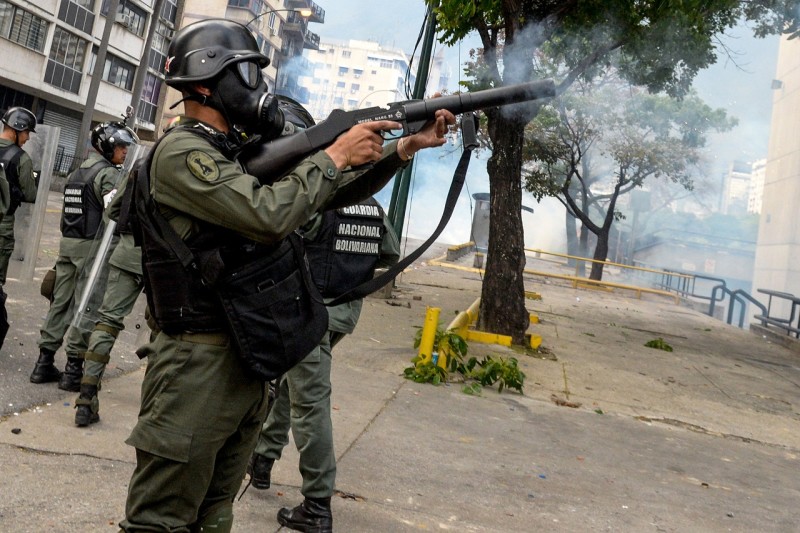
(577, 279)
(785, 323)
(738, 296)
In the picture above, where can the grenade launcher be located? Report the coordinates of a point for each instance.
(276, 157)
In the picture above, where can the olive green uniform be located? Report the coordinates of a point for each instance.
(27, 184)
(73, 256)
(123, 286)
(201, 409)
(303, 402)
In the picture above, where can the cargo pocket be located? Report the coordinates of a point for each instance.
(168, 443)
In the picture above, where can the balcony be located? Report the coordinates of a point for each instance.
(311, 41)
(317, 13)
(298, 31)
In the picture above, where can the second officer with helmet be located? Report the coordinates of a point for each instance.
(88, 191)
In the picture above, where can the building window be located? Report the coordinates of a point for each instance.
(78, 14)
(65, 62)
(116, 71)
(338, 101)
(340, 84)
(343, 71)
(266, 49)
(352, 104)
(158, 52)
(11, 98)
(345, 53)
(357, 72)
(22, 27)
(355, 87)
(129, 15)
(170, 11)
(149, 102)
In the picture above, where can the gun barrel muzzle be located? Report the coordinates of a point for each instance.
(473, 101)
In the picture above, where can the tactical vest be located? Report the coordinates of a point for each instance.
(178, 276)
(346, 248)
(82, 214)
(9, 158)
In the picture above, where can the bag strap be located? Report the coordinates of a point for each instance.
(469, 137)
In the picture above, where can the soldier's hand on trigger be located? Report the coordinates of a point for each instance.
(360, 144)
(430, 136)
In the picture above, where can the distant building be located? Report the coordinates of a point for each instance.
(756, 195)
(736, 188)
(356, 74)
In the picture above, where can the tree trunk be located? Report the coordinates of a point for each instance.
(600, 254)
(503, 294)
(573, 247)
(583, 250)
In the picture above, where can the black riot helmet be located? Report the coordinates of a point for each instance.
(223, 56)
(201, 51)
(107, 135)
(20, 119)
(294, 113)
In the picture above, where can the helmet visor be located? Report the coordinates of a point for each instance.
(125, 137)
(250, 73)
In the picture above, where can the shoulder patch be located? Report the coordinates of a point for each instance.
(202, 165)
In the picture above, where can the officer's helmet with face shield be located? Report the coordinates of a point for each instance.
(107, 135)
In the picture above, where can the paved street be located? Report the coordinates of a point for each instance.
(704, 438)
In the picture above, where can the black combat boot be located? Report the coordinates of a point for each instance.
(87, 406)
(73, 372)
(312, 516)
(259, 468)
(45, 371)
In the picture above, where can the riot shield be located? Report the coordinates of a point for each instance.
(93, 277)
(42, 147)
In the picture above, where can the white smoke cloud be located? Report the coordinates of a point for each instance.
(430, 182)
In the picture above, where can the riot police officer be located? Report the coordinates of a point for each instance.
(201, 406)
(124, 285)
(18, 124)
(88, 191)
(344, 247)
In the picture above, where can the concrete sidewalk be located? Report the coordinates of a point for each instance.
(704, 438)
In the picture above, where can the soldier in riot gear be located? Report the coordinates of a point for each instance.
(123, 288)
(202, 407)
(88, 191)
(344, 247)
(18, 124)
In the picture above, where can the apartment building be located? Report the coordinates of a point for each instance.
(755, 197)
(355, 74)
(49, 49)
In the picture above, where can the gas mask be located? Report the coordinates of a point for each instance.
(241, 95)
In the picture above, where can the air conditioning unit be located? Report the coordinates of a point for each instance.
(126, 19)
